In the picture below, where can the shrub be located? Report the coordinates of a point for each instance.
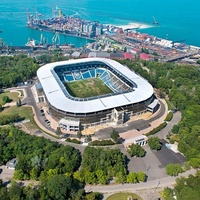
(73, 141)
(169, 117)
(115, 136)
(101, 143)
(155, 130)
(175, 129)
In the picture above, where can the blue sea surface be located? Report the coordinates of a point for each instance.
(178, 20)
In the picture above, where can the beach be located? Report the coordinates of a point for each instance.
(134, 25)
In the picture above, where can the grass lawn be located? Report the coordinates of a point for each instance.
(25, 112)
(124, 196)
(87, 88)
(12, 95)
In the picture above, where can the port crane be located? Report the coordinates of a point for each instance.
(54, 11)
(56, 38)
(37, 16)
(154, 21)
(29, 17)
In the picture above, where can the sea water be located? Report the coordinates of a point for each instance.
(178, 20)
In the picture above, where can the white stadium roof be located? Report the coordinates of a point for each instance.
(56, 97)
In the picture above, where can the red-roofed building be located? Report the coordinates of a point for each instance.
(129, 56)
(144, 56)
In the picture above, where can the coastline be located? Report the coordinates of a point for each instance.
(134, 25)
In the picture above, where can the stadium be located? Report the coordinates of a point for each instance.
(91, 91)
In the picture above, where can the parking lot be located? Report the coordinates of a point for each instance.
(153, 164)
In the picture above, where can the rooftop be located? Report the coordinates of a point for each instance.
(56, 93)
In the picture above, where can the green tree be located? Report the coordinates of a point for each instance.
(115, 136)
(141, 176)
(136, 150)
(19, 174)
(102, 178)
(154, 143)
(167, 194)
(79, 175)
(5, 99)
(34, 174)
(195, 162)
(15, 192)
(93, 196)
(79, 134)
(59, 187)
(90, 177)
(175, 129)
(132, 177)
(120, 177)
(173, 169)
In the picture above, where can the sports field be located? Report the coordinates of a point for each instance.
(87, 88)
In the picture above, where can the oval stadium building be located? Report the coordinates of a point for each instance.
(90, 91)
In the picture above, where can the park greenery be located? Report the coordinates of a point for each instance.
(154, 143)
(185, 188)
(136, 150)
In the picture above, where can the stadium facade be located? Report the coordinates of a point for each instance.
(131, 94)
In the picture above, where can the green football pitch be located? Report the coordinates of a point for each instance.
(87, 88)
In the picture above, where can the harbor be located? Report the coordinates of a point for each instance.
(101, 40)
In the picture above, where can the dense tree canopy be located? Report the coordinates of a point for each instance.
(14, 69)
(36, 155)
(99, 165)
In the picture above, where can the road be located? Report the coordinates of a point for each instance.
(175, 120)
(149, 185)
